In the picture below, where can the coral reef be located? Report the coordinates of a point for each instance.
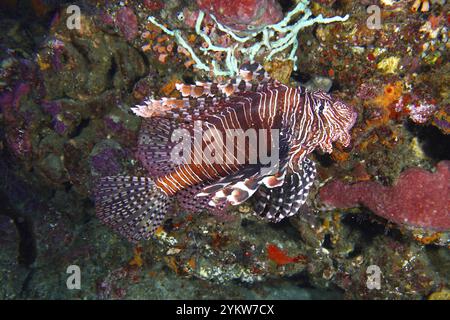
(276, 38)
(65, 121)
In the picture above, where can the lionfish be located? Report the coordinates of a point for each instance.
(302, 121)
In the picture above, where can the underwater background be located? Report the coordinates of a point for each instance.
(377, 220)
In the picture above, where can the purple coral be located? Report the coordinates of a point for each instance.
(421, 112)
(51, 107)
(60, 127)
(126, 22)
(107, 162)
(17, 135)
(9, 101)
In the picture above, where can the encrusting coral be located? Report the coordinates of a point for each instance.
(276, 39)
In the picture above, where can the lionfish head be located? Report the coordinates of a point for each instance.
(338, 119)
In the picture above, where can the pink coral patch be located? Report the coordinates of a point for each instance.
(419, 198)
(243, 14)
(127, 23)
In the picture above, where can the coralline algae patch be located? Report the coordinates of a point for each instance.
(244, 15)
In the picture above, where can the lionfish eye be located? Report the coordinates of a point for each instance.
(180, 16)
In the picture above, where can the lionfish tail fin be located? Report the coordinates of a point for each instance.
(132, 206)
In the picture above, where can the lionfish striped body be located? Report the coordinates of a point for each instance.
(299, 120)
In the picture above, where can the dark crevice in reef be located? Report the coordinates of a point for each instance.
(67, 186)
(146, 62)
(283, 226)
(287, 5)
(111, 73)
(286, 227)
(338, 5)
(327, 243)
(26, 284)
(435, 144)
(370, 227)
(83, 124)
(301, 77)
(335, 86)
(439, 258)
(357, 250)
(303, 280)
(27, 243)
(141, 73)
(187, 79)
(81, 48)
(324, 159)
(27, 248)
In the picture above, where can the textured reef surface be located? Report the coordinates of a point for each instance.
(65, 121)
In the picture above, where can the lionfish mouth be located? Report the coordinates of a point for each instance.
(349, 115)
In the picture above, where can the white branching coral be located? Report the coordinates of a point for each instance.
(277, 40)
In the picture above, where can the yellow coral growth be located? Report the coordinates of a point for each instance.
(43, 65)
(280, 69)
(389, 65)
(391, 93)
(169, 87)
(429, 239)
(444, 294)
(159, 233)
(172, 264)
(192, 263)
(137, 258)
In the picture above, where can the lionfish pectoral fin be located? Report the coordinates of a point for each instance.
(155, 145)
(234, 188)
(278, 203)
(238, 192)
(132, 206)
(273, 181)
